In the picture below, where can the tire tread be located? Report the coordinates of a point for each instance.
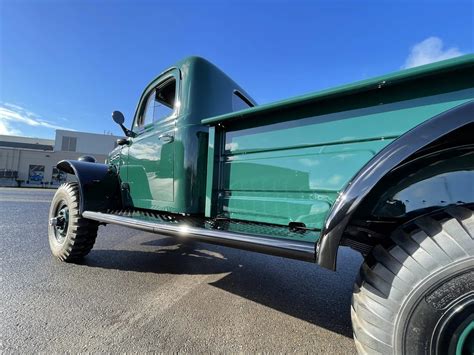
(82, 232)
(383, 284)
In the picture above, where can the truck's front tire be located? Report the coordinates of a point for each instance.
(417, 296)
(71, 236)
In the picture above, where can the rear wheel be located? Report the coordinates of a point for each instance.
(417, 296)
(71, 236)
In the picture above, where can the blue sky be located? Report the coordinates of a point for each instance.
(69, 64)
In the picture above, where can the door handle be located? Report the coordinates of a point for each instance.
(166, 138)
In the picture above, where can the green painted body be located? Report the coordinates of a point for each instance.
(171, 176)
(278, 163)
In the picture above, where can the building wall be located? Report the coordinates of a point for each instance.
(27, 140)
(87, 143)
(21, 159)
(23, 154)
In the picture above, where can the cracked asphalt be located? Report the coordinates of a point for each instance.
(141, 292)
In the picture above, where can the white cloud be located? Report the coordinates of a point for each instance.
(428, 51)
(11, 114)
(6, 129)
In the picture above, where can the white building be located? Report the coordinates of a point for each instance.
(32, 161)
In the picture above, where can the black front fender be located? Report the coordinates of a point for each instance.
(99, 184)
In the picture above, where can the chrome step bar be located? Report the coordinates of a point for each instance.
(275, 246)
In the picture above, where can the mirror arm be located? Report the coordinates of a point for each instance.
(127, 132)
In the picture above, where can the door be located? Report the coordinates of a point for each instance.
(151, 152)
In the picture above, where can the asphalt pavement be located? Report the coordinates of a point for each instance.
(141, 292)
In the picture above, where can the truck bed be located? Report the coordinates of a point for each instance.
(288, 161)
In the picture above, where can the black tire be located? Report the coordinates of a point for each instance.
(71, 236)
(417, 296)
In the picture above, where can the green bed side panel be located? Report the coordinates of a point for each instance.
(293, 170)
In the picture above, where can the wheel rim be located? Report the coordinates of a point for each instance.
(60, 221)
(454, 333)
(466, 341)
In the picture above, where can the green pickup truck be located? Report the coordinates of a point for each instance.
(384, 166)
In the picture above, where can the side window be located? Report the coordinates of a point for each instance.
(164, 100)
(160, 103)
(240, 102)
(147, 115)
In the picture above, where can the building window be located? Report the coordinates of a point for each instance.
(69, 144)
(36, 174)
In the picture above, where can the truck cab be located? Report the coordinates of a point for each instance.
(162, 162)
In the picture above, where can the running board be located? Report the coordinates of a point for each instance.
(293, 249)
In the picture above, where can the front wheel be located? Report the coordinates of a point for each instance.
(417, 296)
(71, 236)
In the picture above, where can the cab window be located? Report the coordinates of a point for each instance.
(159, 105)
(240, 102)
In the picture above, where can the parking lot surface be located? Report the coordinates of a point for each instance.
(139, 292)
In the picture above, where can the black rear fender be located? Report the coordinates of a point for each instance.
(429, 182)
(99, 184)
(429, 167)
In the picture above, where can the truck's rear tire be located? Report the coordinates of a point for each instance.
(71, 236)
(417, 296)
